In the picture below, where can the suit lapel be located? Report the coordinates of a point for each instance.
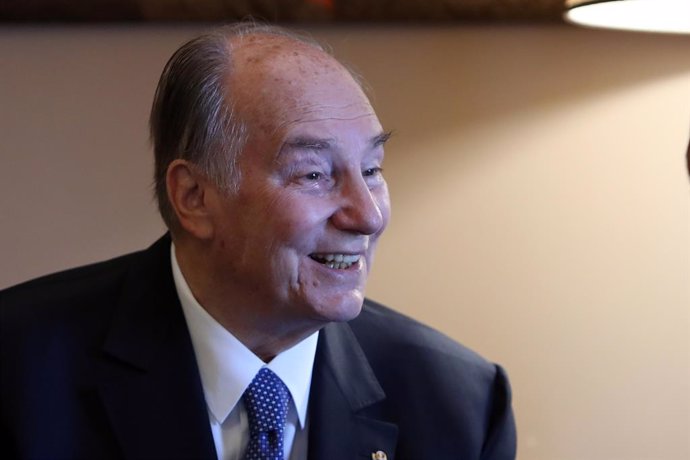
(344, 416)
(149, 379)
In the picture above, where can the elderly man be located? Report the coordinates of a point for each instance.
(244, 333)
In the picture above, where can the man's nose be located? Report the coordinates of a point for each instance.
(359, 210)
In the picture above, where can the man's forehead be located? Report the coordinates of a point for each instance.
(267, 49)
(285, 116)
(278, 82)
(267, 61)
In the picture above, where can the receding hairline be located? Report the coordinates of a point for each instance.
(265, 49)
(266, 37)
(264, 62)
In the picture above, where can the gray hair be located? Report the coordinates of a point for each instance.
(193, 116)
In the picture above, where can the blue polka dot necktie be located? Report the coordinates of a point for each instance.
(266, 400)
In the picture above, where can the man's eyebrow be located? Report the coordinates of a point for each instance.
(318, 143)
(381, 138)
(308, 143)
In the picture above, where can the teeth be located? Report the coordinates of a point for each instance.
(336, 261)
(336, 265)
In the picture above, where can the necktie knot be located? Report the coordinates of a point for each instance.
(266, 400)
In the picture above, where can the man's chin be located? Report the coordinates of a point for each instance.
(343, 308)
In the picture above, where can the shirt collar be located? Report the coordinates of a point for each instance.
(227, 367)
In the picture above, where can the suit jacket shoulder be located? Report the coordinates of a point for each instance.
(96, 362)
(446, 401)
(379, 326)
(62, 296)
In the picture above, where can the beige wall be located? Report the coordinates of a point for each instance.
(541, 207)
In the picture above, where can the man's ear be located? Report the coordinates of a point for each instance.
(188, 192)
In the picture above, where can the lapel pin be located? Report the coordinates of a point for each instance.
(379, 455)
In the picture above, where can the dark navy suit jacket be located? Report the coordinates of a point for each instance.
(97, 363)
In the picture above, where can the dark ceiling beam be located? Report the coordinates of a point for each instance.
(281, 10)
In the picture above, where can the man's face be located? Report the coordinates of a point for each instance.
(297, 240)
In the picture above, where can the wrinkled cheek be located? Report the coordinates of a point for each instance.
(303, 281)
(284, 265)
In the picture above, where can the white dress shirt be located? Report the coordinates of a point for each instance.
(227, 367)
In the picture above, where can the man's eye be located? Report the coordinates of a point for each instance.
(314, 175)
(372, 172)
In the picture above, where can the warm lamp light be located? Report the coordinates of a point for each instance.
(669, 16)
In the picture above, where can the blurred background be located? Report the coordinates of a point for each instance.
(541, 202)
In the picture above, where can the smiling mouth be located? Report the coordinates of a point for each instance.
(336, 261)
